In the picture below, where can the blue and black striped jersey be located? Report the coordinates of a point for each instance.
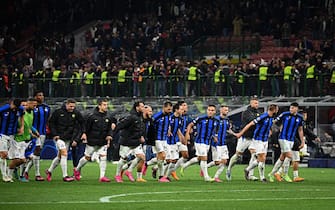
(41, 116)
(222, 131)
(161, 124)
(263, 127)
(290, 125)
(206, 129)
(9, 119)
(176, 124)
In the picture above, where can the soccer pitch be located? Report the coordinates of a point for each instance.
(190, 192)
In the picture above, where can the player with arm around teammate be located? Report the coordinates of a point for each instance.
(260, 139)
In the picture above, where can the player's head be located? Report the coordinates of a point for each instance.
(167, 107)
(178, 109)
(39, 96)
(254, 102)
(224, 109)
(14, 103)
(294, 107)
(184, 105)
(273, 109)
(147, 112)
(211, 110)
(31, 103)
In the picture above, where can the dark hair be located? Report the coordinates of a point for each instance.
(137, 103)
(176, 106)
(272, 107)
(100, 100)
(212, 105)
(16, 102)
(295, 104)
(70, 100)
(37, 92)
(167, 103)
(181, 102)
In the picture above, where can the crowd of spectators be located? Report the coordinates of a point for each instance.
(143, 37)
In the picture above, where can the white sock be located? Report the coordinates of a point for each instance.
(160, 164)
(211, 164)
(233, 161)
(191, 162)
(3, 167)
(170, 168)
(261, 168)
(22, 169)
(280, 170)
(36, 160)
(81, 163)
(119, 166)
(54, 164)
(276, 167)
(286, 165)
(10, 173)
(251, 166)
(133, 164)
(63, 165)
(203, 166)
(219, 170)
(180, 162)
(103, 165)
(252, 159)
(152, 161)
(139, 175)
(29, 164)
(296, 174)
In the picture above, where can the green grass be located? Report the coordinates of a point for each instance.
(191, 192)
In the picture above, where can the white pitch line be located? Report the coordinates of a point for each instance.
(109, 199)
(164, 200)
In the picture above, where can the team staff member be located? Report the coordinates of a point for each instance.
(41, 117)
(244, 142)
(66, 125)
(260, 139)
(97, 136)
(10, 115)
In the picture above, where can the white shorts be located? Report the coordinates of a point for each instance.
(285, 145)
(17, 149)
(125, 151)
(220, 153)
(5, 142)
(260, 146)
(201, 149)
(62, 144)
(243, 144)
(101, 150)
(40, 141)
(173, 152)
(160, 146)
(295, 156)
(182, 147)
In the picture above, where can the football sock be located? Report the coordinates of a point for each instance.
(191, 162)
(54, 164)
(63, 164)
(203, 166)
(180, 162)
(286, 165)
(233, 161)
(103, 165)
(81, 163)
(261, 167)
(36, 160)
(276, 167)
(219, 170)
(252, 159)
(211, 164)
(119, 166)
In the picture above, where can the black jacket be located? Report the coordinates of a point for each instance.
(98, 127)
(247, 116)
(131, 128)
(67, 125)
